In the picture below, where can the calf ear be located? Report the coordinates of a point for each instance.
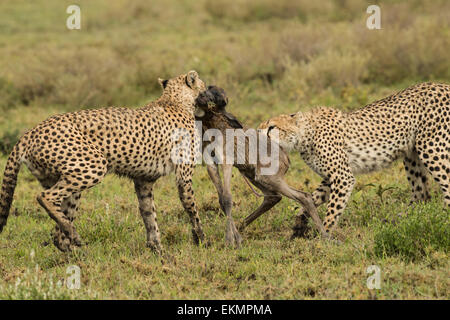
(163, 83)
(191, 77)
(224, 104)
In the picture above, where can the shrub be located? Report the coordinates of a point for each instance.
(304, 10)
(417, 52)
(8, 140)
(9, 94)
(331, 70)
(81, 78)
(425, 228)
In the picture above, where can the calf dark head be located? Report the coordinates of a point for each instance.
(213, 102)
(214, 96)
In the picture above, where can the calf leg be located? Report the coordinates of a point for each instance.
(232, 236)
(213, 172)
(280, 185)
(270, 200)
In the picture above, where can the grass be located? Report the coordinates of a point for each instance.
(425, 229)
(271, 58)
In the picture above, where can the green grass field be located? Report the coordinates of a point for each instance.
(271, 57)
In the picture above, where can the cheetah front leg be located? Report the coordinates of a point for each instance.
(341, 186)
(144, 192)
(183, 174)
(320, 196)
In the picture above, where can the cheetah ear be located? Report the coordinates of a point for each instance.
(191, 77)
(163, 83)
(299, 118)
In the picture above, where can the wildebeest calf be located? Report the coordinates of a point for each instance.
(212, 113)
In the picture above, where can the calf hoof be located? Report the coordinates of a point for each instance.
(237, 239)
(232, 236)
(234, 239)
(242, 227)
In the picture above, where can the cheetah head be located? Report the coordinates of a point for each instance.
(289, 131)
(183, 90)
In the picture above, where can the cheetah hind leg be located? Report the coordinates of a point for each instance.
(69, 208)
(441, 174)
(144, 193)
(416, 173)
(52, 205)
(52, 201)
(436, 163)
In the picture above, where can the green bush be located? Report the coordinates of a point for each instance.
(9, 94)
(304, 10)
(8, 140)
(424, 229)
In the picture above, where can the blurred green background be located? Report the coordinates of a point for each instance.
(270, 56)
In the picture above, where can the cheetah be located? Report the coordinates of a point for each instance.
(212, 114)
(412, 124)
(71, 152)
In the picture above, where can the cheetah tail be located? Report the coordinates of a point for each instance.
(9, 184)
